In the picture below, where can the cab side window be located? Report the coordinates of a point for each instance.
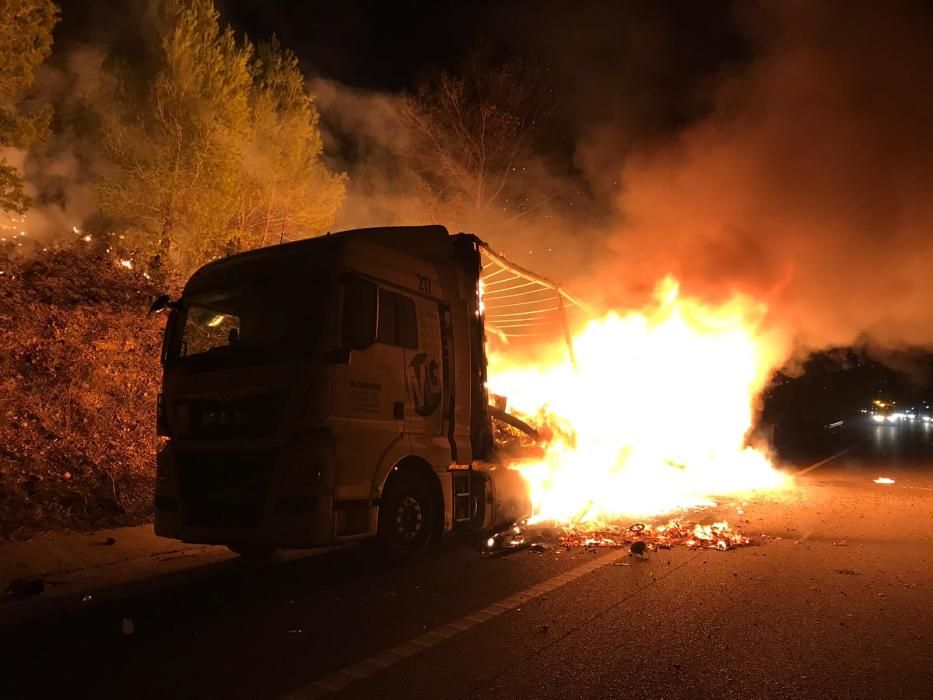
(358, 326)
(397, 320)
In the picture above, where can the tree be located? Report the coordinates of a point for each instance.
(473, 132)
(287, 192)
(220, 151)
(25, 42)
(174, 142)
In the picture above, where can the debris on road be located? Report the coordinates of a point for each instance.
(640, 538)
(25, 586)
(507, 542)
(884, 480)
(848, 572)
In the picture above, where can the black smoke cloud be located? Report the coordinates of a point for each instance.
(783, 150)
(807, 186)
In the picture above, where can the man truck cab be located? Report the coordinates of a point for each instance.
(330, 390)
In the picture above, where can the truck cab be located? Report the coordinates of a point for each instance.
(330, 390)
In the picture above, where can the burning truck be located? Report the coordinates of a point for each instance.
(355, 386)
(335, 389)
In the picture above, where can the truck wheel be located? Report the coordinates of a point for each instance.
(406, 518)
(252, 552)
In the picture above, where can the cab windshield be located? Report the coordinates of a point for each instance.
(258, 322)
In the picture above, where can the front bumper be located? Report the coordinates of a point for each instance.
(275, 497)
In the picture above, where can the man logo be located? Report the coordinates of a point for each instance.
(424, 384)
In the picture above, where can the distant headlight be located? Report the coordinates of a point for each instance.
(877, 418)
(896, 416)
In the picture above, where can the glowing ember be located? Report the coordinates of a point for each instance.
(128, 264)
(638, 536)
(655, 417)
(884, 480)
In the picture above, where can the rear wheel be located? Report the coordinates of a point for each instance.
(406, 517)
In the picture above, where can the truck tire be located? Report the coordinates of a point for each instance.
(406, 518)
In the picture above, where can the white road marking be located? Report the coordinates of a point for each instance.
(349, 674)
(829, 459)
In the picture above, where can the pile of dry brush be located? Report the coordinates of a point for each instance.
(79, 375)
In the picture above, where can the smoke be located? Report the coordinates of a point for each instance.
(59, 173)
(779, 149)
(365, 136)
(362, 134)
(807, 186)
(793, 168)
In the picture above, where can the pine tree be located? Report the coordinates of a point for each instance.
(219, 152)
(287, 192)
(174, 142)
(25, 42)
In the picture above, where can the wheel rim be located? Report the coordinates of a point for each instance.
(409, 518)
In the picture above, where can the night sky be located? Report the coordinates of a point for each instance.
(643, 63)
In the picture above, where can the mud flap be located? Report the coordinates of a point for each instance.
(508, 498)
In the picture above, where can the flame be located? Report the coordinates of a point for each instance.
(654, 418)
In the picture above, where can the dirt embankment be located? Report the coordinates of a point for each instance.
(79, 375)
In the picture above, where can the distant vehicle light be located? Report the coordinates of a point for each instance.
(877, 417)
(884, 480)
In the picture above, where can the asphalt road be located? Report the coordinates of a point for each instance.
(837, 602)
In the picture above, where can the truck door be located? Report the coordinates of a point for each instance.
(368, 388)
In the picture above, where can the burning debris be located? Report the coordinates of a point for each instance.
(651, 417)
(643, 414)
(640, 538)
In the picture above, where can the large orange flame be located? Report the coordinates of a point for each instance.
(656, 415)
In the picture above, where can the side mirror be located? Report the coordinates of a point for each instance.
(160, 304)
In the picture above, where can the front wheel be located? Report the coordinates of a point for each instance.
(406, 518)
